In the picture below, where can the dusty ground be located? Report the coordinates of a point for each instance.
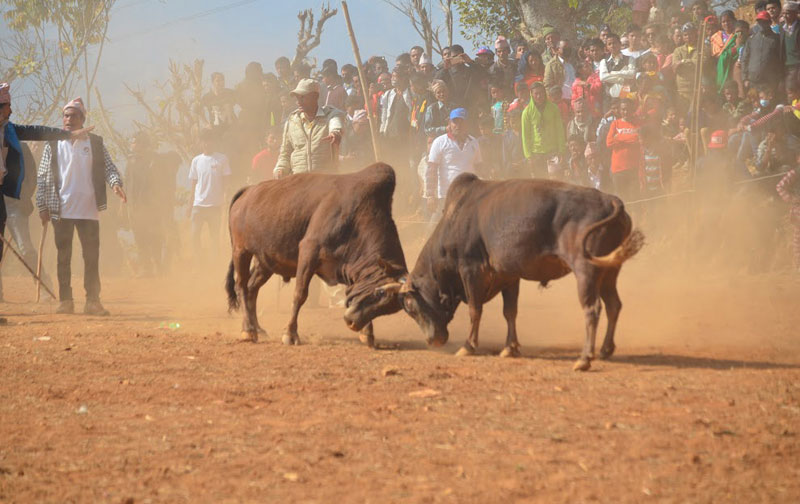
(701, 403)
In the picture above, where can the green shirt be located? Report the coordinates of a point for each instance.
(542, 130)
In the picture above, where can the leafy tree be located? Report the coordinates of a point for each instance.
(53, 50)
(483, 20)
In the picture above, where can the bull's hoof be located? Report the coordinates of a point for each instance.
(290, 339)
(249, 337)
(582, 365)
(262, 332)
(367, 339)
(465, 351)
(606, 353)
(510, 351)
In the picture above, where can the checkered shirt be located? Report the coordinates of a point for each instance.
(47, 194)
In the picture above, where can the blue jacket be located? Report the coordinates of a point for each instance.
(15, 164)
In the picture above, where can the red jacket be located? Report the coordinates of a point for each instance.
(591, 91)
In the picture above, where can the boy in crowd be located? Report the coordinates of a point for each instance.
(626, 152)
(652, 177)
(264, 162)
(513, 158)
(209, 175)
(498, 103)
(576, 160)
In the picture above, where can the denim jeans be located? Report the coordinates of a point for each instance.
(208, 217)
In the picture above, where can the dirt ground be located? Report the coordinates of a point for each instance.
(700, 404)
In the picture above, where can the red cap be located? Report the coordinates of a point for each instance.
(719, 140)
(763, 16)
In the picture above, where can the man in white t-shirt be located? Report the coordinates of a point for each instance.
(209, 175)
(451, 154)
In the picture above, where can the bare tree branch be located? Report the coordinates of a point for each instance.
(308, 38)
(419, 14)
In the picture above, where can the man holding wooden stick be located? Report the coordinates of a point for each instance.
(12, 162)
(18, 217)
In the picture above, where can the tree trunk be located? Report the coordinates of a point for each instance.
(536, 13)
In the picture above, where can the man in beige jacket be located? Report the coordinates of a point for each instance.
(311, 135)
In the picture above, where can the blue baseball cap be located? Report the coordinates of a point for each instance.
(458, 113)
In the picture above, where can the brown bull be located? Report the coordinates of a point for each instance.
(493, 234)
(338, 227)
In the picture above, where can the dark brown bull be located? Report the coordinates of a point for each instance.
(338, 227)
(493, 234)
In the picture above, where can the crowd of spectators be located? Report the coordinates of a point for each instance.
(620, 112)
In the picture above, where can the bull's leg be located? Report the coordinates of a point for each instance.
(475, 311)
(306, 266)
(610, 296)
(241, 268)
(258, 277)
(473, 287)
(510, 301)
(367, 335)
(590, 301)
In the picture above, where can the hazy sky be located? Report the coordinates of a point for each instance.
(227, 34)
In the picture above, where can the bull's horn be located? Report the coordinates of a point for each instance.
(390, 288)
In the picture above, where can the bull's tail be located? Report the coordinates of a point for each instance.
(627, 249)
(230, 288)
(230, 281)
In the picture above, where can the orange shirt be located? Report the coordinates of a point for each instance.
(623, 140)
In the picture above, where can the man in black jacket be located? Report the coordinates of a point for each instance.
(464, 78)
(761, 60)
(17, 220)
(12, 162)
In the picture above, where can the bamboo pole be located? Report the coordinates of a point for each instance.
(697, 99)
(695, 143)
(373, 129)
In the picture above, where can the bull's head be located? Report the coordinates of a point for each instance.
(372, 299)
(430, 309)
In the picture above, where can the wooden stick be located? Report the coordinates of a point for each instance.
(373, 129)
(30, 270)
(39, 263)
(3, 259)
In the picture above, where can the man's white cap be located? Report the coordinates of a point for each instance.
(792, 6)
(306, 86)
